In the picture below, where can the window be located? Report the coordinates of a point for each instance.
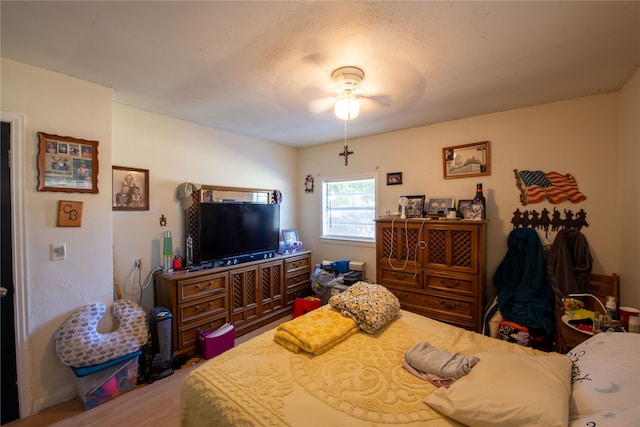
(348, 208)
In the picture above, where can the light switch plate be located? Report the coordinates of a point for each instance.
(58, 251)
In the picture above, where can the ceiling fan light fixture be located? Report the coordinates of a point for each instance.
(347, 107)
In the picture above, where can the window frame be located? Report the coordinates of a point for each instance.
(347, 240)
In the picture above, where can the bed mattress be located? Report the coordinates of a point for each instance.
(358, 382)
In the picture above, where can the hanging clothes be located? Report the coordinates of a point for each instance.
(524, 296)
(569, 263)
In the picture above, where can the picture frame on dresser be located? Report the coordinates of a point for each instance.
(415, 206)
(439, 206)
(464, 207)
(290, 236)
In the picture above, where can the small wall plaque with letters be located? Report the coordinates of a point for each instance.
(69, 213)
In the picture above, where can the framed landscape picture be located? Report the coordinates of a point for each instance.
(462, 161)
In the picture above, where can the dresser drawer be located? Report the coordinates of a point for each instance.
(298, 280)
(407, 277)
(439, 307)
(296, 265)
(202, 287)
(206, 308)
(449, 283)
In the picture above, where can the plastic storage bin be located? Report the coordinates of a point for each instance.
(101, 383)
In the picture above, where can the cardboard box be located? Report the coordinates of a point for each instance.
(101, 383)
(214, 343)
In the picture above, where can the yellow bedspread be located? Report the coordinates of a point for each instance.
(359, 382)
(315, 332)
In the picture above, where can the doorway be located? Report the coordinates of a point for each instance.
(10, 409)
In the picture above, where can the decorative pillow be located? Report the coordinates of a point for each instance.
(371, 306)
(79, 344)
(606, 375)
(509, 389)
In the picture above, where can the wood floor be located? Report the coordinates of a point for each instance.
(156, 404)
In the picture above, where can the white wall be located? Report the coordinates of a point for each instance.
(175, 151)
(57, 104)
(629, 203)
(578, 136)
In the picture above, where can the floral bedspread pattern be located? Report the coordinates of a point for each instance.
(371, 305)
(359, 382)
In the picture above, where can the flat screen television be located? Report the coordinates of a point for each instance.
(232, 229)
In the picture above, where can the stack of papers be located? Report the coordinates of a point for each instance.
(219, 332)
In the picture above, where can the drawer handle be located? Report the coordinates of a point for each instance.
(449, 305)
(450, 285)
(295, 264)
(202, 288)
(201, 309)
(399, 276)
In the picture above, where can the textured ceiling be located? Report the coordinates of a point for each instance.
(256, 68)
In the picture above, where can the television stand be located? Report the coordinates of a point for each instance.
(249, 295)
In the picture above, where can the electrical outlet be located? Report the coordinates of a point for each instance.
(58, 251)
(136, 263)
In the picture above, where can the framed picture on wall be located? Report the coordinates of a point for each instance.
(462, 161)
(67, 164)
(130, 189)
(394, 178)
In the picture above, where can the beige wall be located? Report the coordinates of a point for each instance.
(175, 151)
(629, 203)
(578, 136)
(56, 104)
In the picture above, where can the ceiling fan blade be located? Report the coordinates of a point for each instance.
(380, 99)
(321, 105)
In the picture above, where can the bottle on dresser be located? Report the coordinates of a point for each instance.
(612, 310)
(479, 204)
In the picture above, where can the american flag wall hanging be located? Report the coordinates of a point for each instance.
(536, 186)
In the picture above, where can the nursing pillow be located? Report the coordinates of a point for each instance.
(79, 344)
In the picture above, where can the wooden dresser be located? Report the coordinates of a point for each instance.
(435, 268)
(250, 295)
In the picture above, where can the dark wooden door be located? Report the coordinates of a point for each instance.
(10, 410)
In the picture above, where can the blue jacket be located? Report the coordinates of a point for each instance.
(524, 296)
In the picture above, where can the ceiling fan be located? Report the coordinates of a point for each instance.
(348, 92)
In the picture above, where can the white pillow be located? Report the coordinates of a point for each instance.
(606, 374)
(509, 389)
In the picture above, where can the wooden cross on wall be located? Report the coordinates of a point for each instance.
(346, 153)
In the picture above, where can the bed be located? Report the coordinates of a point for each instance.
(361, 382)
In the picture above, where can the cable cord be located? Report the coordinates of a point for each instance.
(421, 244)
(139, 287)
